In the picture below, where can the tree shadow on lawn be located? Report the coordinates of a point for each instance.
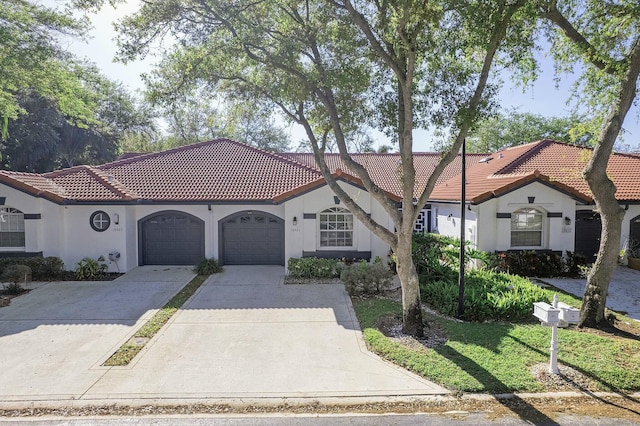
(494, 338)
(590, 375)
(523, 409)
(489, 337)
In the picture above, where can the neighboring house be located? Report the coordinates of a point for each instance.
(533, 197)
(242, 205)
(530, 197)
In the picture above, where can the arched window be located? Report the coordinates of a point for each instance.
(336, 227)
(526, 228)
(11, 228)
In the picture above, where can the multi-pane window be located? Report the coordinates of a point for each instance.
(11, 227)
(336, 228)
(526, 228)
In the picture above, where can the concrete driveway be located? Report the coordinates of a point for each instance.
(54, 339)
(244, 334)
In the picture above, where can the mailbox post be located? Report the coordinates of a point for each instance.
(554, 315)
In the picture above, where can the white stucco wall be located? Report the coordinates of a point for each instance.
(556, 234)
(304, 236)
(41, 235)
(446, 221)
(491, 233)
(80, 240)
(64, 230)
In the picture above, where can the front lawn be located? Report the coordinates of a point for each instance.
(497, 357)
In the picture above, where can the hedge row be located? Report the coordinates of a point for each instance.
(42, 268)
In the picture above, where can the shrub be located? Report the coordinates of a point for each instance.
(437, 257)
(15, 275)
(366, 278)
(208, 267)
(314, 267)
(488, 296)
(530, 263)
(42, 269)
(89, 269)
(575, 264)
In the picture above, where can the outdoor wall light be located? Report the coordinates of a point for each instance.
(295, 221)
(116, 218)
(449, 217)
(567, 220)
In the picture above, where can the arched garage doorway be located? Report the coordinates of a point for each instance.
(251, 238)
(170, 238)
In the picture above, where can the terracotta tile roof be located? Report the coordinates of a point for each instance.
(384, 168)
(86, 183)
(224, 170)
(208, 171)
(557, 164)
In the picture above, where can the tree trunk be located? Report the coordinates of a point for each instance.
(595, 293)
(412, 323)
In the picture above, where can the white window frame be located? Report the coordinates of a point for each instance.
(528, 211)
(336, 211)
(12, 221)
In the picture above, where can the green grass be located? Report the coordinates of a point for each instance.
(128, 351)
(496, 357)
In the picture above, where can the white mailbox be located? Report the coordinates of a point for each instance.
(546, 313)
(568, 314)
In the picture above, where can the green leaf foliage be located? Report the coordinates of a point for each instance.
(31, 58)
(42, 268)
(313, 267)
(90, 269)
(512, 128)
(208, 267)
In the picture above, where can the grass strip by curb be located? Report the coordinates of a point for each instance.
(129, 350)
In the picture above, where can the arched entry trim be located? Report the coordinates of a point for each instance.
(170, 237)
(251, 237)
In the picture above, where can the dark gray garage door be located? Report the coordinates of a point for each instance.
(252, 238)
(171, 238)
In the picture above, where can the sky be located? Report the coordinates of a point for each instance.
(542, 97)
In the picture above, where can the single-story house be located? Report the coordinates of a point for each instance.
(241, 205)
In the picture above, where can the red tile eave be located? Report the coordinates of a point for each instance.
(120, 192)
(525, 180)
(338, 175)
(21, 186)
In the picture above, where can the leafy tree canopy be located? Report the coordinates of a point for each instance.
(200, 114)
(31, 59)
(42, 138)
(512, 128)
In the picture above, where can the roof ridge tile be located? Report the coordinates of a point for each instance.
(145, 156)
(112, 183)
(278, 156)
(536, 147)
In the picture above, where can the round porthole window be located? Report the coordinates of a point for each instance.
(99, 221)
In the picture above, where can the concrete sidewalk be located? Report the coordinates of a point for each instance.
(624, 290)
(243, 335)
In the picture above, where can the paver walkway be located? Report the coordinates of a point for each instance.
(624, 290)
